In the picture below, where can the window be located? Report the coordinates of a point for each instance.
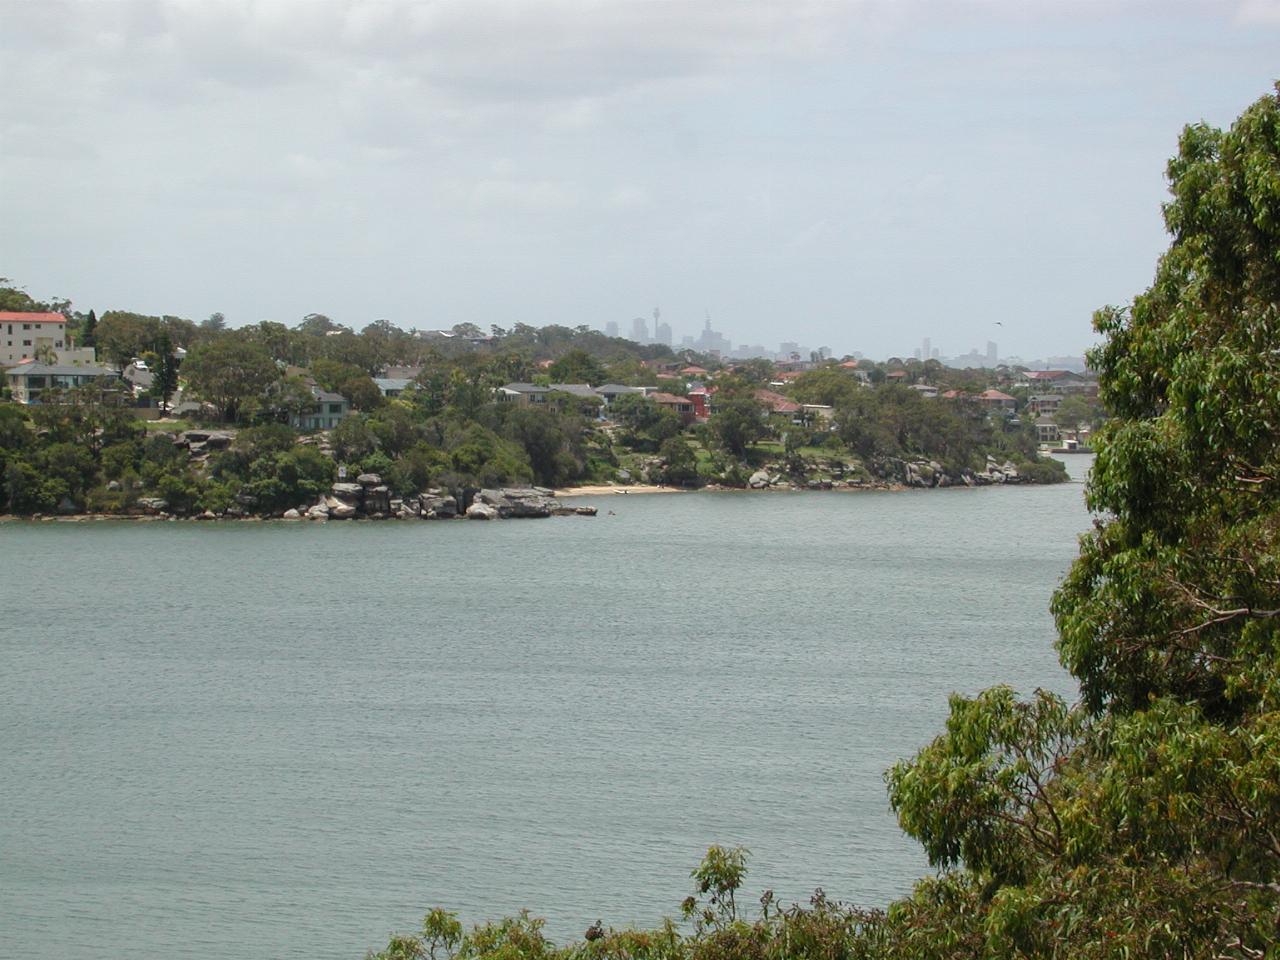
(26, 343)
(26, 326)
(335, 408)
(58, 344)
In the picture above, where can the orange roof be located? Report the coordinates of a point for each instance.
(15, 316)
(993, 395)
(668, 398)
(694, 371)
(850, 364)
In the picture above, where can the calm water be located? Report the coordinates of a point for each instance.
(289, 740)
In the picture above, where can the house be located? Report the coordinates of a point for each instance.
(897, 376)
(693, 371)
(1047, 432)
(925, 390)
(28, 381)
(612, 391)
(682, 406)
(582, 390)
(22, 334)
(1058, 381)
(522, 394)
(820, 411)
(701, 398)
(392, 387)
(1044, 403)
(997, 400)
(327, 411)
(777, 403)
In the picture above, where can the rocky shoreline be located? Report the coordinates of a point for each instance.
(368, 498)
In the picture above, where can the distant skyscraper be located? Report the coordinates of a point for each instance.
(640, 330)
(925, 349)
(611, 328)
(662, 333)
(992, 354)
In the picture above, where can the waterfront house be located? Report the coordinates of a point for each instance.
(1047, 432)
(681, 406)
(327, 411)
(1044, 403)
(29, 381)
(522, 394)
(612, 391)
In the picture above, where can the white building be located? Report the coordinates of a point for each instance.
(22, 334)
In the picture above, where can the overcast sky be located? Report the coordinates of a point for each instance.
(851, 174)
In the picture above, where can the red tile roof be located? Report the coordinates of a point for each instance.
(993, 395)
(777, 402)
(16, 316)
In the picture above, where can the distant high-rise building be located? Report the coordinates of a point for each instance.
(926, 350)
(992, 354)
(640, 330)
(662, 333)
(611, 328)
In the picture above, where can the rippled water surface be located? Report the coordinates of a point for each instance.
(253, 740)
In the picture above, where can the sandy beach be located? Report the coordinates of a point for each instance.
(606, 490)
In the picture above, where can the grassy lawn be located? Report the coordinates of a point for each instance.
(168, 426)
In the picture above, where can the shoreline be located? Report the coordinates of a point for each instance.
(587, 490)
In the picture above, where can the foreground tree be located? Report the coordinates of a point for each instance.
(1145, 821)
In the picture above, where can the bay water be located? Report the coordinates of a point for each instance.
(290, 740)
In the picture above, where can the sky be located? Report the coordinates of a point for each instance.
(855, 174)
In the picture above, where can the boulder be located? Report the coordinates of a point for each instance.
(348, 491)
(218, 441)
(318, 512)
(292, 514)
(343, 511)
(758, 480)
(113, 486)
(369, 480)
(585, 511)
(433, 506)
(377, 500)
(529, 502)
(153, 504)
(481, 511)
(207, 515)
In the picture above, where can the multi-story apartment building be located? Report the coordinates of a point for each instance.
(22, 334)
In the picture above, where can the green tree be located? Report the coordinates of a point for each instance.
(229, 372)
(1143, 822)
(737, 421)
(577, 366)
(164, 370)
(121, 336)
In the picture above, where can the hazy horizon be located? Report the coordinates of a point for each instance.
(858, 175)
